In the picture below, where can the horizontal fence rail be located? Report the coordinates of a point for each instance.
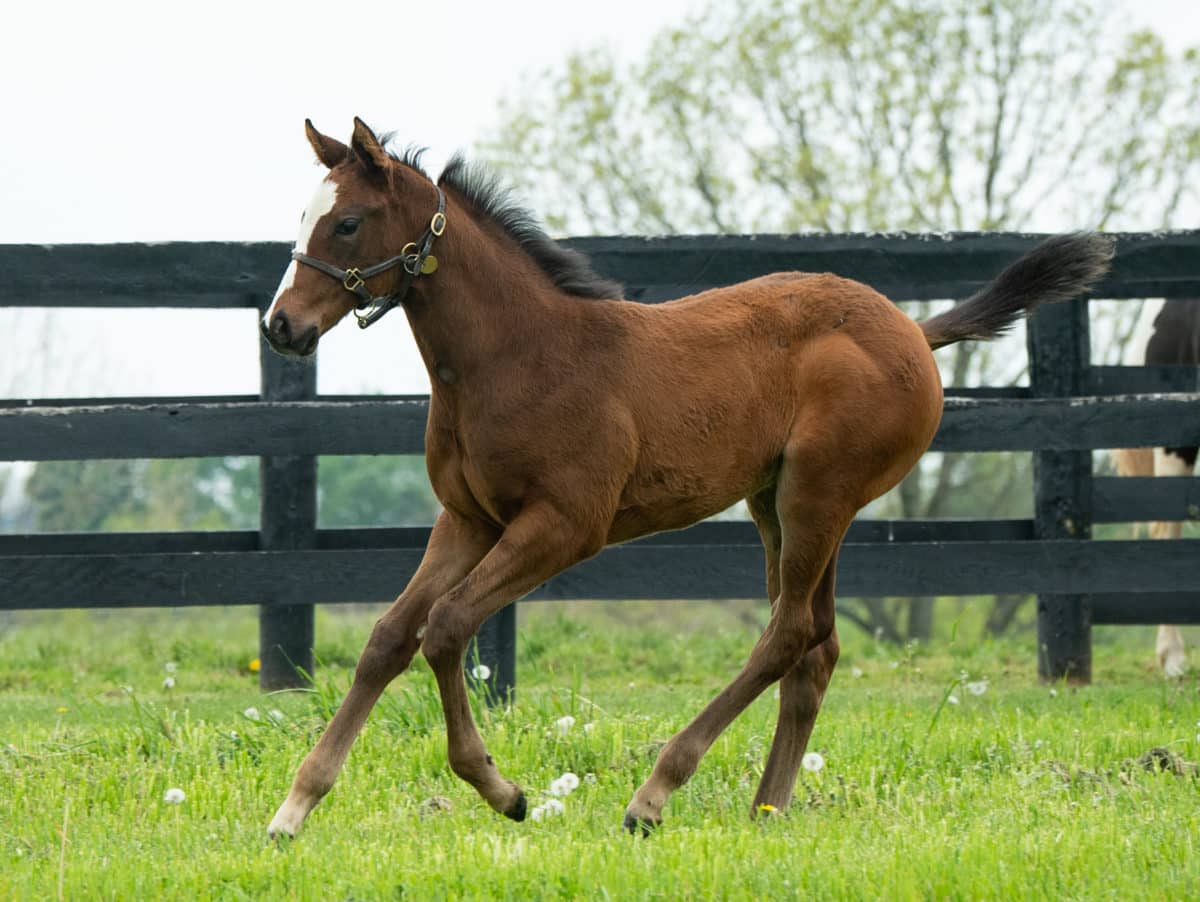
(1070, 408)
(329, 426)
(901, 266)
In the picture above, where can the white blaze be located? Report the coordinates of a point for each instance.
(322, 202)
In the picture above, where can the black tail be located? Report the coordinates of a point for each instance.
(1058, 269)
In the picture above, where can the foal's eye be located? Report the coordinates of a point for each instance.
(346, 227)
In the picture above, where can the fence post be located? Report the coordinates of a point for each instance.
(495, 647)
(288, 521)
(1058, 339)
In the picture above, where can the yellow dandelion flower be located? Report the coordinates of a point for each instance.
(60, 710)
(767, 808)
(255, 665)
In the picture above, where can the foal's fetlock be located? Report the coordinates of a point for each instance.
(509, 801)
(643, 816)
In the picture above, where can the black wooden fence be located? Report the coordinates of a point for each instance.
(1070, 408)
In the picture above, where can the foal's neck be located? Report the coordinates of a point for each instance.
(487, 305)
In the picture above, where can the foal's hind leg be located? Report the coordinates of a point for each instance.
(803, 687)
(539, 543)
(815, 510)
(801, 691)
(455, 546)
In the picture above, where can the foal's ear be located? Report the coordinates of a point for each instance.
(329, 151)
(367, 147)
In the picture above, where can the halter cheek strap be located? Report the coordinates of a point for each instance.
(415, 258)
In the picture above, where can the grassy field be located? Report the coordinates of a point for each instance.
(1020, 791)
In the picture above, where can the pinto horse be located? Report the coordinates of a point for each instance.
(563, 419)
(1167, 333)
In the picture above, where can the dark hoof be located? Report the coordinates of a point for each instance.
(637, 825)
(519, 808)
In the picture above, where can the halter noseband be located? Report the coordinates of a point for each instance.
(414, 257)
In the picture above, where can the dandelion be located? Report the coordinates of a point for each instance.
(250, 713)
(978, 687)
(812, 761)
(170, 667)
(564, 785)
(767, 808)
(1054, 693)
(856, 672)
(174, 796)
(589, 778)
(537, 813)
(169, 683)
(60, 710)
(564, 724)
(275, 715)
(481, 672)
(553, 807)
(952, 699)
(254, 666)
(588, 727)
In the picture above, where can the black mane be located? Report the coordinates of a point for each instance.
(570, 270)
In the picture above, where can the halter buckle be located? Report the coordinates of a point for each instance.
(437, 225)
(353, 280)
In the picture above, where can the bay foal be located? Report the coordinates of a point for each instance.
(562, 419)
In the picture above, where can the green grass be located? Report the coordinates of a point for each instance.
(1026, 791)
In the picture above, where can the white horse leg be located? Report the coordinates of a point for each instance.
(1172, 656)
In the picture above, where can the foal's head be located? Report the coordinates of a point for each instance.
(362, 214)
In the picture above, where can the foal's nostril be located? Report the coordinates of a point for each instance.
(281, 329)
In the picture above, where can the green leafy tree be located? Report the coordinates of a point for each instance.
(375, 491)
(868, 115)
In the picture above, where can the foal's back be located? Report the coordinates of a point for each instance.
(718, 385)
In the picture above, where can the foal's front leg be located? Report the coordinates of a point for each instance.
(455, 546)
(539, 543)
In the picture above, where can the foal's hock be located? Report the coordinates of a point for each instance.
(563, 419)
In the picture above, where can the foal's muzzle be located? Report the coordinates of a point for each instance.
(284, 338)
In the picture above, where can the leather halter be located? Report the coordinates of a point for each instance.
(415, 258)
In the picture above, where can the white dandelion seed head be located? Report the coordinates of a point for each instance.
(952, 699)
(564, 785)
(553, 807)
(564, 724)
(169, 683)
(1054, 693)
(537, 813)
(174, 796)
(856, 672)
(978, 687)
(481, 672)
(589, 778)
(170, 667)
(812, 761)
(250, 713)
(588, 727)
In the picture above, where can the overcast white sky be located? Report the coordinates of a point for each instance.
(129, 121)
